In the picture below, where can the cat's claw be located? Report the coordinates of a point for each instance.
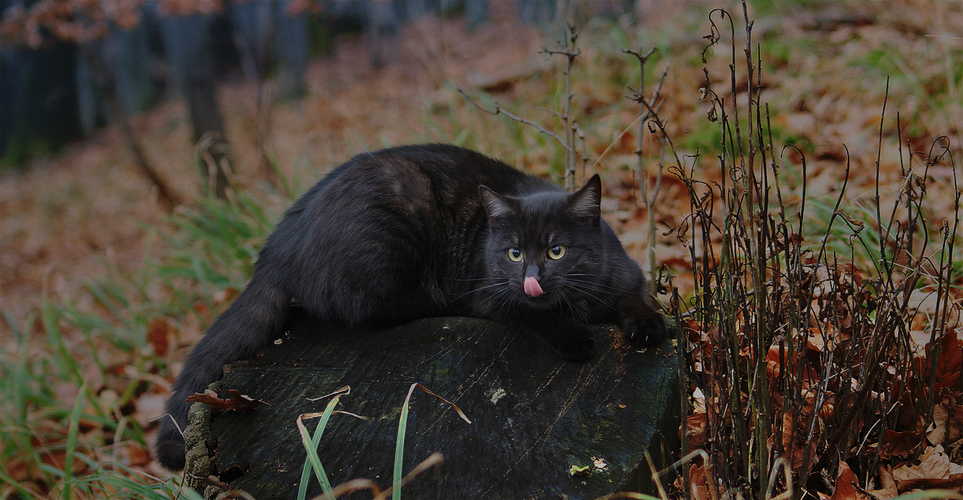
(646, 330)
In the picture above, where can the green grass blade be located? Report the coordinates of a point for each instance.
(72, 431)
(941, 494)
(400, 448)
(50, 318)
(398, 473)
(5, 479)
(15, 372)
(311, 447)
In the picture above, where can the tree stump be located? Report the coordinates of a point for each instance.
(534, 416)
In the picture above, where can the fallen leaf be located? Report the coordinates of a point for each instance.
(934, 471)
(57, 459)
(780, 362)
(137, 455)
(698, 401)
(954, 421)
(699, 480)
(950, 364)
(795, 444)
(238, 401)
(696, 430)
(677, 264)
(937, 432)
(159, 335)
(846, 485)
(919, 339)
(899, 444)
(18, 470)
(888, 489)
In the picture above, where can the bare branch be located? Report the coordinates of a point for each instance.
(499, 111)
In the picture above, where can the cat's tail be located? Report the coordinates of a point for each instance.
(249, 325)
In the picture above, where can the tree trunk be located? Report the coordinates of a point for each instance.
(188, 44)
(100, 58)
(533, 416)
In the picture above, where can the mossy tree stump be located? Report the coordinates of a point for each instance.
(533, 415)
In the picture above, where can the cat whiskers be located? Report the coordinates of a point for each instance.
(480, 288)
(506, 300)
(592, 290)
(594, 285)
(498, 292)
(579, 313)
(600, 285)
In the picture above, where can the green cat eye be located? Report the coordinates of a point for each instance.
(556, 252)
(515, 254)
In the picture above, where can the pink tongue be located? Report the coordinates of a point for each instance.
(532, 288)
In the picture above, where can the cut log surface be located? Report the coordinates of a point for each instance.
(533, 415)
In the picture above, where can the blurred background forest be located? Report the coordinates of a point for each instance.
(147, 147)
(235, 81)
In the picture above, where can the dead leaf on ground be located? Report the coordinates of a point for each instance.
(950, 363)
(159, 335)
(899, 444)
(134, 455)
(934, 471)
(237, 402)
(846, 485)
(794, 443)
(888, 484)
(696, 430)
(699, 480)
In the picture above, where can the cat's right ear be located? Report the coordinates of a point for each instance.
(586, 201)
(495, 206)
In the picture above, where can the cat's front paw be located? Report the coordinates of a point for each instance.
(646, 329)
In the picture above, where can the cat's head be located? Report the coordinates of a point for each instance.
(544, 248)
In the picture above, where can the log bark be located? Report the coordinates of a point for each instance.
(534, 416)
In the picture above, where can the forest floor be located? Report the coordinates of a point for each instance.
(88, 214)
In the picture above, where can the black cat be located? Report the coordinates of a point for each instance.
(419, 231)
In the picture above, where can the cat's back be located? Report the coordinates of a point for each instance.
(455, 173)
(453, 169)
(427, 182)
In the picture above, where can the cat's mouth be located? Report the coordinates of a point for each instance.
(532, 288)
(534, 293)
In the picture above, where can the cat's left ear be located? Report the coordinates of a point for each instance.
(496, 206)
(586, 202)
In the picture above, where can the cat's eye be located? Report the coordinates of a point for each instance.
(515, 254)
(556, 252)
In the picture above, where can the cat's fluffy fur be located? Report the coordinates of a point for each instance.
(419, 231)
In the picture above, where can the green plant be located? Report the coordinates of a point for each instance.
(218, 241)
(313, 461)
